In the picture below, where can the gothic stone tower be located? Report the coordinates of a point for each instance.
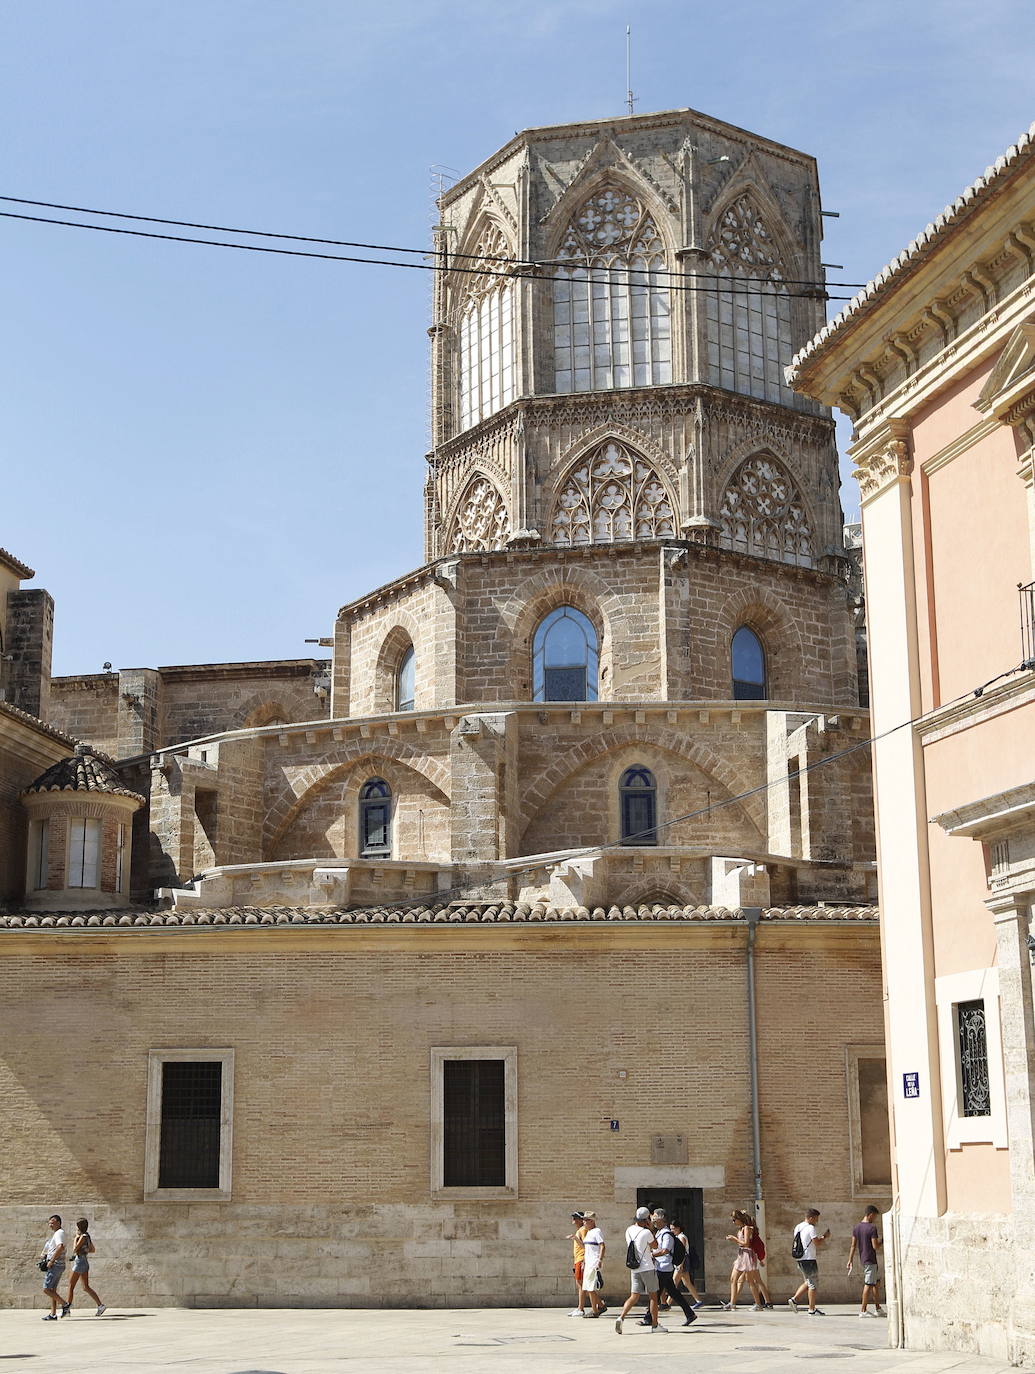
(609, 345)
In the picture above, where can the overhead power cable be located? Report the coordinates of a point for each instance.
(448, 255)
(731, 286)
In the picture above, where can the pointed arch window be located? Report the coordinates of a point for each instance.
(747, 665)
(750, 338)
(485, 331)
(638, 806)
(613, 494)
(611, 306)
(565, 657)
(405, 681)
(763, 514)
(375, 820)
(482, 521)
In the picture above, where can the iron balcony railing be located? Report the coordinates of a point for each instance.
(1027, 595)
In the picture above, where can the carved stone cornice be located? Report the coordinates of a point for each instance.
(884, 458)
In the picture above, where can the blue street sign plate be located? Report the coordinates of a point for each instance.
(910, 1085)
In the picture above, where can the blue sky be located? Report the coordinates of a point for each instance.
(207, 452)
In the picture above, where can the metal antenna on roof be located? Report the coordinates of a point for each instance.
(630, 99)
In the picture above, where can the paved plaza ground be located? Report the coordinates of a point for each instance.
(294, 1341)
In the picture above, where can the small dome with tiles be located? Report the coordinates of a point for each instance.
(84, 771)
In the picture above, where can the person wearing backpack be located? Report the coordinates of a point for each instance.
(681, 1259)
(664, 1263)
(745, 1266)
(643, 1275)
(804, 1247)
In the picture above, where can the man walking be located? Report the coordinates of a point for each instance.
(664, 1265)
(643, 1280)
(54, 1254)
(866, 1242)
(808, 1264)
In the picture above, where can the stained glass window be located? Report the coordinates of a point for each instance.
(611, 307)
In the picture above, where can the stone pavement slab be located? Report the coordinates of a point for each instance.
(392, 1341)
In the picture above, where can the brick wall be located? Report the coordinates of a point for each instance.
(332, 1032)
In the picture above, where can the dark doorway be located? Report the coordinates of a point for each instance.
(685, 1205)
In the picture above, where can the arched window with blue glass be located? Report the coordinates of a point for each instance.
(565, 657)
(747, 662)
(375, 820)
(638, 806)
(405, 681)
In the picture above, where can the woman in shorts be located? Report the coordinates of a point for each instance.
(682, 1274)
(82, 1248)
(745, 1266)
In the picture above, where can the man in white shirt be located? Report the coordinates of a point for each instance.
(643, 1280)
(54, 1253)
(595, 1247)
(811, 1240)
(664, 1265)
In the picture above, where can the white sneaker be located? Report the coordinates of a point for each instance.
(575, 1312)
(867, 1313)
(655, 1329)
(816, 1312)
(101, 1309)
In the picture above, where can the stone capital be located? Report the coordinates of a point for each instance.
(883, 458)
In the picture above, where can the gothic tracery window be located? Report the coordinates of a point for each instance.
(749, 331)
(613, 494)
(762, 513)
(611, 306)
(482, 521)
(486, 332)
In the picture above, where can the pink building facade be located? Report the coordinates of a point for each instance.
(935, 363)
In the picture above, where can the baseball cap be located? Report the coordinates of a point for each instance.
(578, 1216)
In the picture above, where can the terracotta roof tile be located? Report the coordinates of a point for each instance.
(84, 771)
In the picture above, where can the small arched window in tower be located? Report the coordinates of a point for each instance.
(486, 331)
(611, 305)
(747, 661)
(565, 655)
(375, 820)
(638, 806)
(405, 680)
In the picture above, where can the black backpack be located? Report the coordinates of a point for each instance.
(678, 1251)
(632, 1256)
(797, 1246)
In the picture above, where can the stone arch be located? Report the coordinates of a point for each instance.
(594, 180)
(761, 610)
(611, 492)
(701, 755)
(748, 181)
(299, 792)
(652, 893)
(483, 223)
(478, 517)
(563, 585)
(260, 710)
(403, 635)
(790, 512)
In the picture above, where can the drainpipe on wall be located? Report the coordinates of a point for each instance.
(753, 914)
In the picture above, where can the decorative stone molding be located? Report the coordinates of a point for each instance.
(885, 459)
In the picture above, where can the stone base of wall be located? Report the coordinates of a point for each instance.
(381, 1255)
(957, 1287)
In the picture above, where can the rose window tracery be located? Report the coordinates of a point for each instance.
(612, 495)
(482, 521)
(762, 513)
(611, 306)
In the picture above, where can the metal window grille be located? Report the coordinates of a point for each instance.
(1027, 595)
(474, 1137)
(1000, 860)
(975, 1096)
(191, 1110)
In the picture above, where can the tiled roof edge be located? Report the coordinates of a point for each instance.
(16, 565)
(16, 713)
(965, 203)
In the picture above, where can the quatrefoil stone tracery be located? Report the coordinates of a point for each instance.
(763, 513)
(613, 495)
(482, 522)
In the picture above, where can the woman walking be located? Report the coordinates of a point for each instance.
(682, 1274)
(82, 1248)
(745, 1266)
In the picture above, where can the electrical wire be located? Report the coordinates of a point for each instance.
(595, 273)
(387, 247)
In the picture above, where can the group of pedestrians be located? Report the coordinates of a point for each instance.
(658, 1259)
(52, 1265)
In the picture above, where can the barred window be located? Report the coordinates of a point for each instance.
(474, 1122)
(187, 1150)
(975, 1092)
(375, 820)
(638, 803)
